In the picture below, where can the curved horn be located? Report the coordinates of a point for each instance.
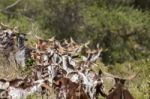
(71, 73)
(125, 78)
(133, 76)
(86, 44)
(63, 71)
(71, 40)
(15, 29)
(5, 26)
(46, 86)
(97, 46)
(51, 39)
(65, 41)
(37, 37)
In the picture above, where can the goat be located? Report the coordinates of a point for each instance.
(7, 44)
(71, 89)
(22, 91)
(119, 91)
(23, 53)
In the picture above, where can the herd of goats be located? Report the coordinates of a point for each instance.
(64, 68)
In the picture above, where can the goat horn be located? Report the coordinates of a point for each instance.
(71, 73)
(97, 46)
(86, 44)
(5, 26)
(37, 37)
(71, 40)
(51, 39)
(2, 24)
(46, 86)
(133, 76)
(127, 78)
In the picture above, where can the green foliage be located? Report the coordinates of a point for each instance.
(142, 4)
(115, 24)
(2, 17)
(119, 30)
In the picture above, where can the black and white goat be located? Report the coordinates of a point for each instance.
(22, 52)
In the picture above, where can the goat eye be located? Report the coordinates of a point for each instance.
(3, 94)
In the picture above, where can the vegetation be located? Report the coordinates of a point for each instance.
(122, 27)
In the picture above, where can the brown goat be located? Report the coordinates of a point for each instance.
(41, 45)
(119, 91)
(74, 90)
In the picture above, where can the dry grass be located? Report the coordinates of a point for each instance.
(7, 70)
(50, 95)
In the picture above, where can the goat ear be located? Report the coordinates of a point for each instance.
(64, 71)
(122, 81)
(6, 85)
(116, 80)
(100, 72)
